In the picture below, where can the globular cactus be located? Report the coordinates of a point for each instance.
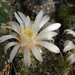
(42, 1)
(65, 11)
(32, 7)
(5, 11)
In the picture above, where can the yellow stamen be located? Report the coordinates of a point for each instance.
(28, 32)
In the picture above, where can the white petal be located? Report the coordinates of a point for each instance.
(51, 27)
(71, 58)
(39, 50)
(50, 39)
(6, 37)
(36, 53)
(24, 38)
(69, 47)
(21, 51)
(27, 57)
(9, 45)
(35, 25)
(69, 31)
(28, 24)
(38, 17)
(13, 33)
(19, 20)
(43, 21)
(45, 35)
(14, 52)
(15, 25)
(12, 29)
(23, 17)
(24, 44)
(67, 42)
(50, 46)
(16, 35)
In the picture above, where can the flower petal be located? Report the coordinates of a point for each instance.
(14, 52)
(22, 16)
(43, 21)
(24, 38)
(50, 46)
(6, 37)
(26, 20)
(69, 31)
(37, 21)
(50, 39)
(38, 17)
(67, 42)
(36, 53)
(12, 29)
(69, 47)
(9, 45)
(40, 50)
(71, 58)
(27, 57)
(13, 33)
(19, 20)
(51, 27)
(15, 25)
(24, 44)
(28, 24)
(45, 35)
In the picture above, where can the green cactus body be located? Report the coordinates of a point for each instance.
(42, 1)
(64, 11)
(5, 11)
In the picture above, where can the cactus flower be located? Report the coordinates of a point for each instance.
(70, 46)
(29, 38)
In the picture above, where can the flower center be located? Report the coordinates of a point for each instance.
(29, 32)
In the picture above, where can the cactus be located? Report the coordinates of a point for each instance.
(34, 6)
(67, 16)
(70, 3)
(65, 11)
(52, 65)
(5, 11)
(42, 1)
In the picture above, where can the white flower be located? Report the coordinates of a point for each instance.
(28, 38)
(69, 31)
(69, 46)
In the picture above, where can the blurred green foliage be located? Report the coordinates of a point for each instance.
(65, 11)
(67, 16)
(70, 19)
